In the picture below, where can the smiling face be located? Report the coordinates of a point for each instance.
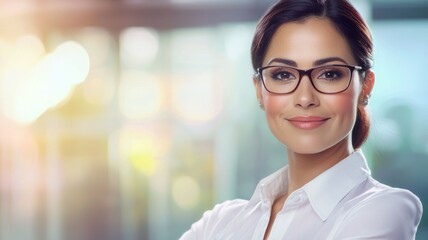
(307, 121)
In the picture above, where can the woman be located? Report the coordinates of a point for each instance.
(313, 78)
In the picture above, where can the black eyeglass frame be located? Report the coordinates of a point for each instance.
(308, 72)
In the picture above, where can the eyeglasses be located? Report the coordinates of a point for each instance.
(327, 79)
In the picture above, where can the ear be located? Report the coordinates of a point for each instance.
(258, 86)
(369, 82)
(367, 87)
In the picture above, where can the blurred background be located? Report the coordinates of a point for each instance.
(127, 119)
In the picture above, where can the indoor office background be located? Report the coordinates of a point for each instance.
(128, 119)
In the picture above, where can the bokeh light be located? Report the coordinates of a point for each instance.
(185, 192)
(98, 43)
(141, 95)
(196, 98)
(139, 46)
(144, 149)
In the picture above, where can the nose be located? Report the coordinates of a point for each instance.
(305, 95)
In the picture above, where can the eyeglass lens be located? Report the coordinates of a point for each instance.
(326, 79)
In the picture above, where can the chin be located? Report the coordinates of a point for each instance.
(305, 149)
(316, 146)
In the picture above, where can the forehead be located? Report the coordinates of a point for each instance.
(307, 41)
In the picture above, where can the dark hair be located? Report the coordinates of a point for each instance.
(347, 21)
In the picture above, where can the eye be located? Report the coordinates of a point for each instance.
(331, 74)
(281, 74)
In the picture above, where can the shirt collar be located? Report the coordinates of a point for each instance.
(272, 186)
(325, 191)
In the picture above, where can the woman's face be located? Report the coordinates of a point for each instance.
(307, 121)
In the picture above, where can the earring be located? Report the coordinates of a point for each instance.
(366, 100)
(261, 104)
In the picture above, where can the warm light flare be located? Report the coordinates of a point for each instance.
(34, 82)
(144, 150)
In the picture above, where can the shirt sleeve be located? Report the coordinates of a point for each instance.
(213, 220)
(392, 215)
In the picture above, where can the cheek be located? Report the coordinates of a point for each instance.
(344, 107)
(346, 103)
(274, 103)
(343, 103)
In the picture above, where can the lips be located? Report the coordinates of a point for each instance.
(307, 122)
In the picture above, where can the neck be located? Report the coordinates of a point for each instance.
(302, 168)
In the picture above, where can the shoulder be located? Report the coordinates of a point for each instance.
(225, 209)
(215, 219)
(231, 205)
(385, 199)
(382, 212)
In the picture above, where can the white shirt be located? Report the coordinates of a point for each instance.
(344, 202)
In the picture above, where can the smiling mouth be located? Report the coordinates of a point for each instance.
(307, 123)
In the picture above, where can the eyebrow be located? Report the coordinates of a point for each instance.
(315, 63)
